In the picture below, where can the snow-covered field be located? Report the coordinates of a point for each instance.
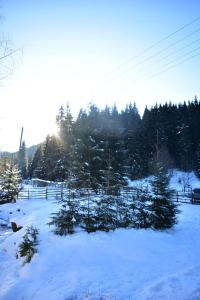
(125, 264)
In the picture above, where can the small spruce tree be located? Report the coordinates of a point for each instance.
(9, 184)
(66, 218)
(163, 210)
(124, 212)
(160, 182)
(106, 214)
(164, 213)
(141, 207)
(28, 247)
(88, 216)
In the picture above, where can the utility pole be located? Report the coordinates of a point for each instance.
(20, 143)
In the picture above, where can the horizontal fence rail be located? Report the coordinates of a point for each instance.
(61, 193)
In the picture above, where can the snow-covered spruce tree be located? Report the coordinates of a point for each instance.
(28, 247)
(66, 218)
(23, 161)
(9, 184)
(161, 178)
(65, 123)
(163, 210)
(124, 212)
(113, 178)
(88, 214)
(36, 168)
(164, 213)
(53, 162)
(141, 210)
(80, 170)
(106, 213)
(86, 158)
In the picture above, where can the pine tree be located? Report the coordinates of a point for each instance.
(23, 161)
(197, 161)
(124, 212)
(66, 218)
(106, 214)
(161, 175)
(36, 168)
(164, 213)
(28, 247)
(160, 182)
(53, 163)
(142, 213)
(66, 133)
(88, 214)
(113, 176)
(163, 210)
(9, 184)
(86, 158)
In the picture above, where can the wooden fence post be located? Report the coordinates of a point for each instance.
(46, 193)
(28, 194)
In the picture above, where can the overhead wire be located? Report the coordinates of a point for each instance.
(171, 64)
(177, 64)
(156, 43)
(160, 51)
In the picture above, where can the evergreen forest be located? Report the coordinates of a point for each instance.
(101, 148)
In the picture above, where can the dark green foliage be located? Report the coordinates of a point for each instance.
(49, 161)
(101, 147)
(197, 161)
(9, 184)
(164, 213)
(66, 218)
(160, 181)
(36, 167)
(142, 211)
(124, 211)
(88, 214)
(28, 247)
(106, 214)
(23, 161)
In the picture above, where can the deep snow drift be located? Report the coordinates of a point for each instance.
(125, 264)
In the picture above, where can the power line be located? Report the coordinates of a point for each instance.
(158, 42)
(181, 61)
(182, 56)
(161, 51)
(178, 50)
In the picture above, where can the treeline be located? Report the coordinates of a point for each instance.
(102, 147)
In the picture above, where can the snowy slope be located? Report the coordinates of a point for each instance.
(125, 264)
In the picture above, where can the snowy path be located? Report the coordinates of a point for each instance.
(125, 264)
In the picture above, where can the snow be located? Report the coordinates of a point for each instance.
(124, 264)
(179, 179)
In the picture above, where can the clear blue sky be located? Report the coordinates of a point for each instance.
(81, 51)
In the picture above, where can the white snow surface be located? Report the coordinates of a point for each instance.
(124, 264)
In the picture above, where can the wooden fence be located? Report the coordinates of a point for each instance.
(60, 193)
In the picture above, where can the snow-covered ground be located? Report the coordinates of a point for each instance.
(125, 264)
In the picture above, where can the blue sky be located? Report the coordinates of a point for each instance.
(82, 51)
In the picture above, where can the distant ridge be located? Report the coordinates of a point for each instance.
(30, 152)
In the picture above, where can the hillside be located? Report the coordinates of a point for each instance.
(30, 152)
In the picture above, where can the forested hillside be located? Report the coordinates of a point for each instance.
(102, 147)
